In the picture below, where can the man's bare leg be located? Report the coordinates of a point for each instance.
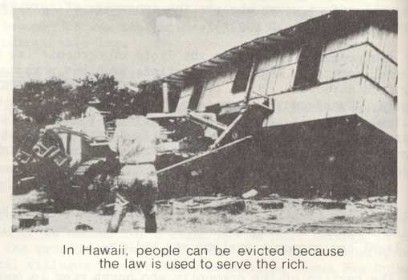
(149, 212)
(117, 218)
(148, 206)
(150, 222)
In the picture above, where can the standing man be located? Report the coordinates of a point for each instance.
(135, 140)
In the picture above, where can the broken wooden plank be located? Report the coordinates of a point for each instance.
(38, 220)
(230, 205)
(325, 204)
(248, 122)
(208, 122)
(270, 204)
(249, 194)
(226, 132)
(187, 161)
(173, 115)
(344, 226)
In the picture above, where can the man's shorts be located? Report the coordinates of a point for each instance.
(137, 184)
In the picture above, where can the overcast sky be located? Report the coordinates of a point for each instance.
(133, 45)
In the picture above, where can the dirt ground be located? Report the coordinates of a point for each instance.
(372, 215)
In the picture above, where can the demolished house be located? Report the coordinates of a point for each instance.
(308, 111)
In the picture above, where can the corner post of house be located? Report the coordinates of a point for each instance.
(165, 92)
(250, 81)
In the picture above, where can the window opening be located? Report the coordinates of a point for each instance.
(308, 65)
(241, 78)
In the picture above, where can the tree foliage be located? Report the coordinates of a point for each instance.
(38, 103)
(100, 86)
(47, 101)
(150, 97)
(42, 101)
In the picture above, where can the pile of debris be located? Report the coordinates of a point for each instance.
(250, 212)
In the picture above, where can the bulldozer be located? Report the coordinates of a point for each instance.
(198, 156)
(68, 162)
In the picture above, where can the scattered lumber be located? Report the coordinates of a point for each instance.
(207, 199)
(270, 204)
(37, 220)
(230, 205)
(344, 226)
(382, 199)
(324, 203)
(250, 194)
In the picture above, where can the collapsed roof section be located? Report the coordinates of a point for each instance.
(334, 23)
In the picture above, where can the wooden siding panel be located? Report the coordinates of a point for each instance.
(328, 100)
(349, 97)
(342, 64)
(220, 95)
(184, 99)
(355, 38)
(289, 57)
(381, 70)
(260, 83)
(281, 79)
(385, 40)
(378, 108)
(278, 60)
(275, 80)
(267, 63)
(217, 90)
(220, 79)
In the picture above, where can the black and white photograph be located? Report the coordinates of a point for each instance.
(205, 121)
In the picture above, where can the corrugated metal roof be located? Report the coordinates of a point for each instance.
(330, 24)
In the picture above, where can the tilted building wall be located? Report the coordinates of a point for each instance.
(336, 136)
(368, 54)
